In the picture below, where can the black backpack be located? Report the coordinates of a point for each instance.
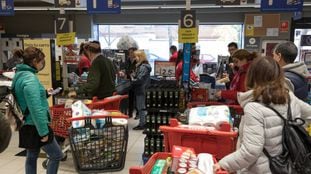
(300, 84)
(296, 155)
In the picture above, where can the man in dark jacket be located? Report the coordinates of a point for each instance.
(296, 73)
(102, 74)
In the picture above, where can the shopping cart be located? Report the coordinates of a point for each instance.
(97, 148)
(217, 142)
(108, 103)
(159, 155)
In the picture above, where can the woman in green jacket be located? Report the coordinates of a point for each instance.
(32, 98)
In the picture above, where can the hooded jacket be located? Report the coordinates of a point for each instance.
(260, 128)
(141, 78)
(30, 94)
(296, 79)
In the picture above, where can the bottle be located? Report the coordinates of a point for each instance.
(148, 101)
(170, 101)
(152, 142)
(154, 99)
(165, 98)
(84, 76)
(159, 98)
(182, 100)
(158, 145)
(176, 101)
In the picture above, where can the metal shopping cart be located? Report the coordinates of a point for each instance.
(60, 115)
(96, 147)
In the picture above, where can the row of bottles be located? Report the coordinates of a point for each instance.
(165, 98)
(153, 144)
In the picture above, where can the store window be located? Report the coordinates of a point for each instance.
(156, 39)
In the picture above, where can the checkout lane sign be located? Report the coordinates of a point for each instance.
(188, 30)
(104, 6)
(7, 8)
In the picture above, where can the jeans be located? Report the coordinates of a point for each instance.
(141, 109)
(54, 153)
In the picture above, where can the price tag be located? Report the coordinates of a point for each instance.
(163, 68)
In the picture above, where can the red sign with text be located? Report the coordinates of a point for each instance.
(284, 26)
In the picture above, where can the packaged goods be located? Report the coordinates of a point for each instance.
(158, 167)
(210, 116)
(79, 109)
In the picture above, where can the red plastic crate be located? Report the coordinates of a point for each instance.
(108, 103)
(59, 120)
(148, 167)
(218, 143)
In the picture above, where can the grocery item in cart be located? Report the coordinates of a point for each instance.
(79, 109)
(211, 116)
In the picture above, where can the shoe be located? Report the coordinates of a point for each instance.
(138, 128)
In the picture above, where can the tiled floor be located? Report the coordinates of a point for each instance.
(11, 164)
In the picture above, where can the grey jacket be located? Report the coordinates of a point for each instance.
(141, 78)
(260, 128)
(299, 68)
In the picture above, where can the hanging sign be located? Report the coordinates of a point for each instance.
(188, 31)
(66, 38)
(281, 5)
(104, 6)
(7, 8)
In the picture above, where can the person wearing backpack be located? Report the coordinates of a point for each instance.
(261, 128)
(32, 99)
(296, 73)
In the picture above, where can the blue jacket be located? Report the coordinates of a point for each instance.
(31, 95)
(141, 78)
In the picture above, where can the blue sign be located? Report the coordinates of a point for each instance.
(7, 8)
(104, 6)
(186, 62)
(281, 5)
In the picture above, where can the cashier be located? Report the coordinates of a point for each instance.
(102, 74)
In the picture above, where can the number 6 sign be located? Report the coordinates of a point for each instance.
(188, 19)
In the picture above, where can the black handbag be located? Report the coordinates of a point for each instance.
(123, 87)
(29, 137)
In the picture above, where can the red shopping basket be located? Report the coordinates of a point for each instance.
(218, 143)
(108, 103)
(59, 120)
(148, 167)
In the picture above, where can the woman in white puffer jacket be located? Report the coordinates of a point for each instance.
(260, 127)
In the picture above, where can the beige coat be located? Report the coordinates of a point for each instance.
(260, 128)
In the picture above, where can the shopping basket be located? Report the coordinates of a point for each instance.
(159, 155)
(101, 149)
(59, 120)
(218, 143)
(108, 103)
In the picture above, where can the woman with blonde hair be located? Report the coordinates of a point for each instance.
(140, 79)
(241, 60)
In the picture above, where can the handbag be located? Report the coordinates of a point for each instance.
(29, 137)
(123, 87)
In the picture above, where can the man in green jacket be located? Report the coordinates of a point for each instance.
(102, 74)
